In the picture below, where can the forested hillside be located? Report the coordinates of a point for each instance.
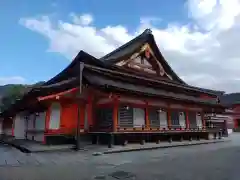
(10, 92)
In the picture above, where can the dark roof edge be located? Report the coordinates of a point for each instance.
(148, 79)
(81, 54)
(146, 31)
(163, 58)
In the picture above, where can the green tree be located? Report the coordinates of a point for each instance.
(14, 92)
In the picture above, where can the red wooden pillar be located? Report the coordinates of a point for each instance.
(235, 123)
(115, 113)
(47, 121)
(187, 120)
(89, 111)
(203, 120)
(169, 117)
(147, 122)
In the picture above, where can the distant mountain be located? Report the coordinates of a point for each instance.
(10, 92)
(232, 98)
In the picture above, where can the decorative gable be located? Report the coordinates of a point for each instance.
(145, 61)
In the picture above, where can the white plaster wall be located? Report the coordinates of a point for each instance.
(40, 126)
(230, 131)
(30, 122)
(55, 116)
(39, 137)
(182, 119)
(19, 127)
(8, 131)
(199, 120)
(138, 117)
(29, 136)
(40, 121)
(163, 119)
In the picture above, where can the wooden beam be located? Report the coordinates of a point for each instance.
(187, 119)
(90, 110)
(147, 122)
(57, 95)
(115, 114)
(47, 121)
(169, 117)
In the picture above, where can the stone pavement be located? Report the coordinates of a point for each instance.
(34, 147)
(10, 156)
(151, 146)
(212, 161)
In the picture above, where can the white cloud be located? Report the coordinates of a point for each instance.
(204, 52)
(85, 19)
(12, 80)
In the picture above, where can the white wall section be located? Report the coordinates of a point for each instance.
(19, 127)
(40, 121)
(182, 119)
(163, 119)
(55, 116)
(199, 120)
(138, 117)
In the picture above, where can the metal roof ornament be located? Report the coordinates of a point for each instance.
(149, 31)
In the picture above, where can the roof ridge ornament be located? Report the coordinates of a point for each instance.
(148, 31)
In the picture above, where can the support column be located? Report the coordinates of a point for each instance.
(34, 124)
(187, 120)
(115, 113)
(235, 123)
(26, 126)
(203, 121)
(169, 117)
(147, 122)
(89, 111)
(47, 121)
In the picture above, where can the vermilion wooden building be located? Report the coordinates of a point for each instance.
(130, 92)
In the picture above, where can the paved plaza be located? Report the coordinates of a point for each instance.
(211, 161)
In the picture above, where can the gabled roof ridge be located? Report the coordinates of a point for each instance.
(79, 57)
(165, 61)
(143, 34)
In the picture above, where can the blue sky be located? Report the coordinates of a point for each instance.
(24, 52)
(199, 38)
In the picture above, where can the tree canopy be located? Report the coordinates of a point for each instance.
(14, 92)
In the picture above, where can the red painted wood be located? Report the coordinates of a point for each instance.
(147, 122)
(47, 120)
(169, 117)
(106, 105)
(187, 120)
(68, 117)
(203, 120)
(58, 94)
(115, 114)
(90, 110)
(235, 123)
